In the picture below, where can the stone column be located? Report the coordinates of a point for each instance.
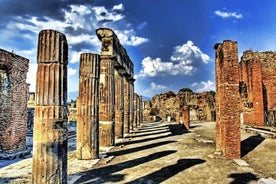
(126, 105)
(107, 102)
(50, 119)
(88, 107)
(135, 108)
(119, 105)
(186, 116)
(227, 100)
(131, 103)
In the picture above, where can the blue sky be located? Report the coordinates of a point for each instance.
(169, 41)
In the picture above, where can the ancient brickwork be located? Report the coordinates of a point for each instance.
(169, 104)
(73, 112)
(257, 88)
(50, 121)
(88, 107)
(139, 110)
(227, 100)
(186, 116)
(131, 103)
(13, 102)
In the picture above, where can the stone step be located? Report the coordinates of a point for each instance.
(263, 132)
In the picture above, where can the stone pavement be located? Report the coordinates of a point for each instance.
(163, 152)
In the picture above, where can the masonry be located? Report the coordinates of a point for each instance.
(227, 100)
(13, 102)
(258, 88)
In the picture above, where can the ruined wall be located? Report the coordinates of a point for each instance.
(13, 102)
(258, 87)
(169, 104)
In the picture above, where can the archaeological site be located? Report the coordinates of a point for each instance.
(110, 135)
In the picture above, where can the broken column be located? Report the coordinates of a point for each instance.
(50, 118)
(227, 100)
(186, 116)
(88, 107)
(13, 104)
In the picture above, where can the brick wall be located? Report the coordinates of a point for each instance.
(13, 102)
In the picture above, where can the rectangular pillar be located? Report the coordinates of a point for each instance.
(50, 118)
(131, 103)
(227, 100)
(186, 116)
(88, 107)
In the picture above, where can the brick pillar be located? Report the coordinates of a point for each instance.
(139, 111)
(107, 102)
(131, 103)
(227, 100)
(186, 116)
(119, 105)
(88, 107)
(126, 106)
(50, 118)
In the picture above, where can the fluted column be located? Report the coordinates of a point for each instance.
(119, 105)
(88, 107)
(50, 118)
(107, 102)
(126, 106)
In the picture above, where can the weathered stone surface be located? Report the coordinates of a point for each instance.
(13, 102)
(88, 107)
(201, 105)
(257, 87)
(50, 119)
(186, 116)
(227, 100)
(119, 105)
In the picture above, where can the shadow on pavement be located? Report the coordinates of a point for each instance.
(140, 148)
(168, 171)
(250, 144)
(242, 178)
(105, 174)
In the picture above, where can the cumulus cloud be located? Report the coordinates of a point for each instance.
(224, 14)
(204, 86)
(154, 89)
(71, 71)
(102, 14)
(185, 60)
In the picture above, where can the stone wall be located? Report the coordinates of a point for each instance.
(13, 102)
(168, 106)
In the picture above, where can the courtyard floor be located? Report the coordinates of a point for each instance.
(164, 152)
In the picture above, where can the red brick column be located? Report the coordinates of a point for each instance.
(186, 116)
(50, 118)
(88, 107)
(227, 100)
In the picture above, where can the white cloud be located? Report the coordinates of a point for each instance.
(31, 76)
(102, 14)
(155, 89)
(185, 60)
(71, 71)
(228, 14)
(128, 37)
(204, 86)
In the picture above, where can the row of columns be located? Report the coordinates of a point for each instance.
(107, 106)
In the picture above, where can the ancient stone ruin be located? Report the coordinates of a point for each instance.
(258, 88)
(115, 64)
(88, 107)
(227, 100)
(13, 102)
(169, 106)
(50, 118)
